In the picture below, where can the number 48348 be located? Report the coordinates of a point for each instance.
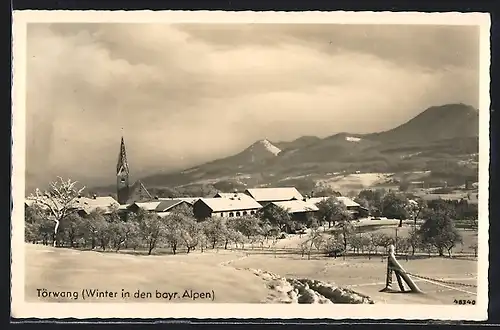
(464, 302)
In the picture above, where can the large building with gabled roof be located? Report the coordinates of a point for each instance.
(265, 196)
(230, 207)
(297, 209)
(158, 205)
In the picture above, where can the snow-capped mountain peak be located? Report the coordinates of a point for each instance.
(269, 146)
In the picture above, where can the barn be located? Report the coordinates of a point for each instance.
(299, 210)
(266, 196)
(205, 208)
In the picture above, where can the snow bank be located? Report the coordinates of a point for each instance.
(307, 291)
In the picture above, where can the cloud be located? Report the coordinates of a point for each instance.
(186, 94)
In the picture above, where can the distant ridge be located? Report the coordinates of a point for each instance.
(436, 123)
(449, 131)
(301, 142)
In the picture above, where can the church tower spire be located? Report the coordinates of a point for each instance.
(122, 175)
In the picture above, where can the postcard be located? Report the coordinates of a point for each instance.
(212, 165)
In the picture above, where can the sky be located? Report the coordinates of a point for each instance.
(182, 95)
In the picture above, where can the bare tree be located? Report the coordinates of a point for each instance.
(371, 246)
(334, 246)
(152, 230)
(191, 233)
(59, 199)
(414, 240)
(415, 208)
(315, 239)
(381, 240)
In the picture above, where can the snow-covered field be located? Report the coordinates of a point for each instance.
(359, 180)
(58, 269)
(236, 276)
(367, 276)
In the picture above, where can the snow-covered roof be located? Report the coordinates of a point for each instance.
(189, 200)
(90, 204)
(226, 204)
(231, 195)
(297, 206)
(85, 204)
(147, 206)
(166, 205)
(316, 200)
(274, 194)
(345, 200)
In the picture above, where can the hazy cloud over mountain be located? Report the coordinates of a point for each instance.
(185, 94)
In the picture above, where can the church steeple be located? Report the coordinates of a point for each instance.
(122, 175)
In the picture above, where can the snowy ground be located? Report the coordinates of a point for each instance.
(367, 276)
(232, 277)
(359, 180)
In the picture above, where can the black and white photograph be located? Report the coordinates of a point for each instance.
(266, 163)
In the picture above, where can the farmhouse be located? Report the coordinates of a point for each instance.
(172, 205)
(168, 207)
(224, 207)
(356, 210)
(82, 205)
(298, 209)
(266, 196)
(231, 195)
(146, 206)
(43, 208)
(159, 206)
(86, 205)
(188, 200)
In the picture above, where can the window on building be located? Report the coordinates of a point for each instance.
(222, 214)
(237, 214)
(244, 212)
(252, 212)
(231, 214)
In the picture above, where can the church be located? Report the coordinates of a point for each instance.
(126, 193)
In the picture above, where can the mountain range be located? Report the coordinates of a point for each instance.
(446, 134)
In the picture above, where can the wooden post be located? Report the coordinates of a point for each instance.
(394, 266)
(388, 278)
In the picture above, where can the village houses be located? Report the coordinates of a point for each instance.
(265, 196)
(132, 198)
(235, 205)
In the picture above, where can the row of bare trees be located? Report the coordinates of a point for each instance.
(436, 235)
(52, 219)
(147, 230)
